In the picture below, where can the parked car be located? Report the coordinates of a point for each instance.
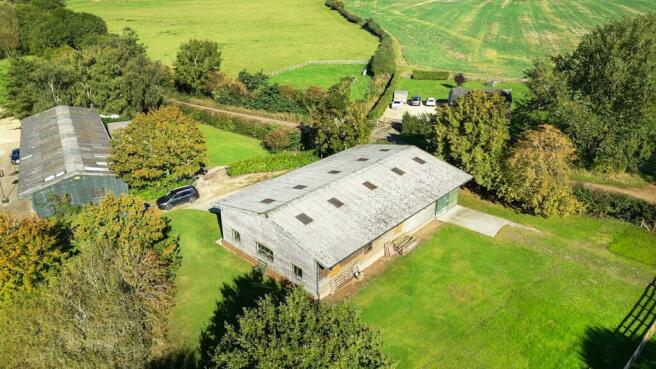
(416, 101)
(15, 156)
(178, 196)
(399, 99)
(431, 101)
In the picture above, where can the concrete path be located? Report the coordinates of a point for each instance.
(474, 220)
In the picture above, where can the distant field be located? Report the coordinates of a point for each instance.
(494, 38)
(4, 66)
(257, 34)
(325, 76)
(226, 147)
(440, 89)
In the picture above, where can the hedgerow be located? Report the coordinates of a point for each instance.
(280, 161)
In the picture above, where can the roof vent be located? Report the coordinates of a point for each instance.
(369, 185)
(267, 201)
(304, 218)
(335, 171)
(363, 159)
(335, 202)
(419, 160)
(299, 187)
(398, 171)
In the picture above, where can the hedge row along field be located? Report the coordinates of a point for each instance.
(492, 38)
(258, 34)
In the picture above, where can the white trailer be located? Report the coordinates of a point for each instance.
(400, 98)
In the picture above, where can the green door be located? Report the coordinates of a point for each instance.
(442, 205)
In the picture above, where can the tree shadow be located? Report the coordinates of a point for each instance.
(448, 85)
(244, 292)
(186, 358)
(611, 349)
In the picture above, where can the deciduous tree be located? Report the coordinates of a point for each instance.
(194, 64)
(9, 36)
(473, 135)
(300, 333)
(600, 96)
(536, 174)
(30, 251)
(162, 147)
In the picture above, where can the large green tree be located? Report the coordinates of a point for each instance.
(9, 35)
(337, 122)
(194, 65)
(30, 251)
(473, 135)
(601, 95)
(300, 333)
(536, 173)
(113, 76)
(159, 148)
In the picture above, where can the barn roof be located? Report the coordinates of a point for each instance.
(337, 205)
(59, 143)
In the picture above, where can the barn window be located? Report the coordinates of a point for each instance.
(265, 252)
(335, 171)
(398, 171)
(369, 185)
(363, 159)
(304, 218)
(298, 272)
(267, 201)
(335, 202)
(236, 236)
(299, 187)
(419, 160)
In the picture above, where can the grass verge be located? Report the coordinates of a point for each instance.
(326, 75)
(225, 148)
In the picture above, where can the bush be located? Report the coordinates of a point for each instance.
(240, 126)
(602, 204)
(433, 75)
(281, 161)
(283, 139)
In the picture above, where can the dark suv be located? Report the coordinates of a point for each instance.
(177, 197)
(15, 156)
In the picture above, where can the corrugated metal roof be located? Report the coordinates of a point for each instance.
(336, 232)
(59, 143)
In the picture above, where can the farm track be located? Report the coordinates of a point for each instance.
(258, 118)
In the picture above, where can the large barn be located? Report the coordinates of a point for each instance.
(64, 153)
(323, 224)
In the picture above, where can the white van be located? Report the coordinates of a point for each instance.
(400, 97)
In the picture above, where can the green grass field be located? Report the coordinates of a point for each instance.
(4, 67)
(520, 300)
(440, 89)
(326, 75)
(492, 38)
(258, 34)
(205, 267)
(224, 147)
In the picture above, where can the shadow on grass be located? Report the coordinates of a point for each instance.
(611, 349)
(243, 292)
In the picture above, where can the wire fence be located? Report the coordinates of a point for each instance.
(317, 62)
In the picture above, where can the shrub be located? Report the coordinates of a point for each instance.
(433, 75)
(283, 139)
(281, 161)
(603, 204)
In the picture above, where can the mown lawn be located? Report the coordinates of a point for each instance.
(4, 67)
(440, 89)
(205, 267)
(257, 34)
(224, 147)
(326, 75)
(520, 300)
